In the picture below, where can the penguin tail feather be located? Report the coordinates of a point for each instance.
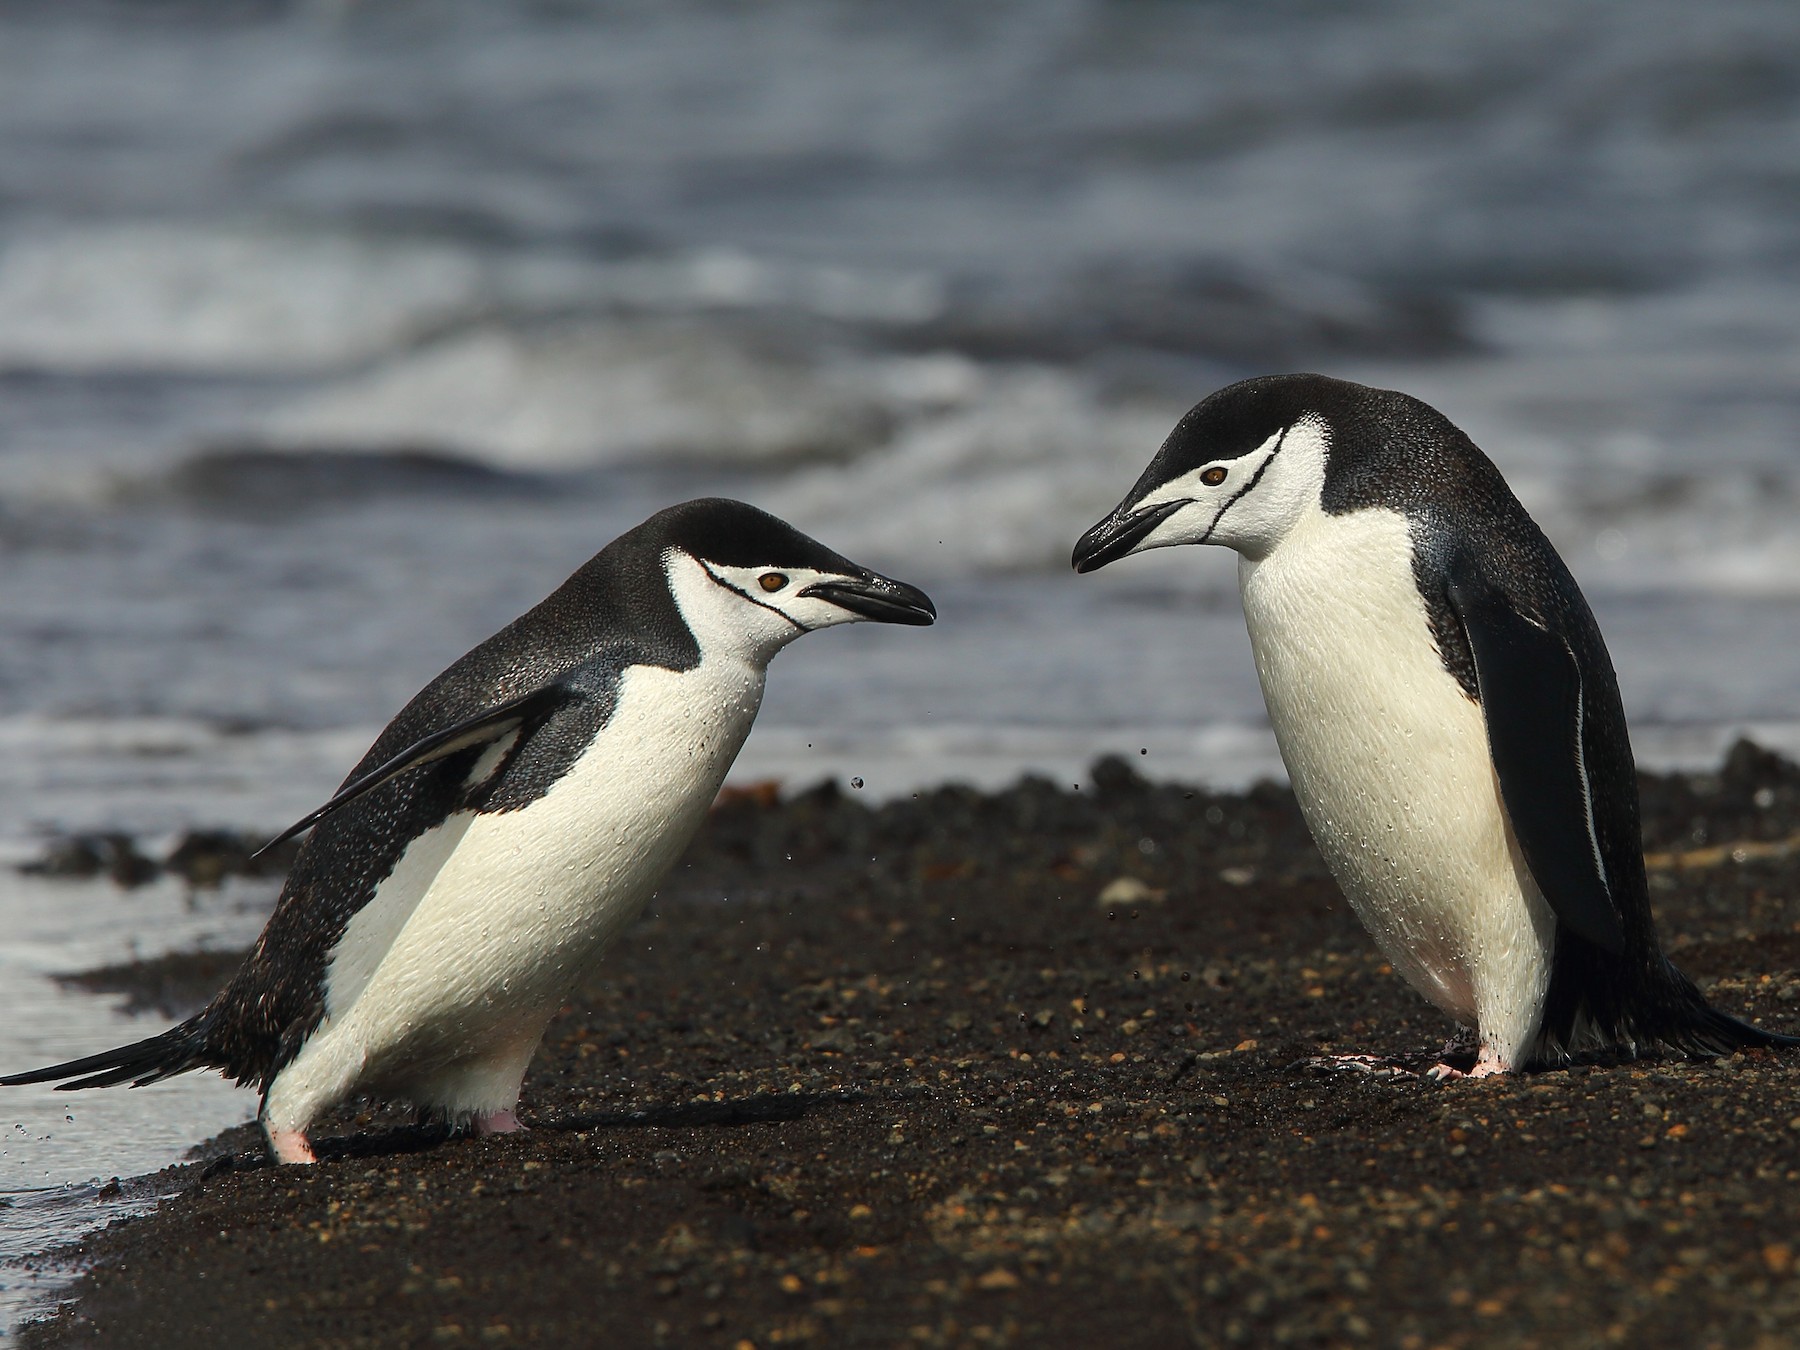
(1658, 1009)
(1703, 1030)
(174, 1051)
(1715, 1033)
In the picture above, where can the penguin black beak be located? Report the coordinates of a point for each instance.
(1119, 534)
(877, 597)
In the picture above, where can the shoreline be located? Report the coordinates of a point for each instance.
(1024, 1068)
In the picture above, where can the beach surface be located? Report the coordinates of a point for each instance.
(1027, 1068)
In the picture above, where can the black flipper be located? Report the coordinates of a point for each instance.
(1531, 699)
(523, 712)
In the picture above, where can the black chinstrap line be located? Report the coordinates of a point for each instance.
(760, 604)
(1249, 487)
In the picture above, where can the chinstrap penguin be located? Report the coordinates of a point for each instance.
(507, 824)
(1445, 707)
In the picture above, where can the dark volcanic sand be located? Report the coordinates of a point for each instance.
(916, 1084)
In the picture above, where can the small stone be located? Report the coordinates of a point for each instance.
(1123, 892)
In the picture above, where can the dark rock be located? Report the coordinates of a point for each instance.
(205, 858)
(112, 855)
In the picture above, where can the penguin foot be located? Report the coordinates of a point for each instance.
(291, 1146)
(1487, 1066)
(485, 1123)
(1379, 1066)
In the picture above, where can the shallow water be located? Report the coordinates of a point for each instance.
(332, 336)
(58, 1147)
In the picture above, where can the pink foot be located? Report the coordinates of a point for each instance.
(496, 1122)
(290, 1146)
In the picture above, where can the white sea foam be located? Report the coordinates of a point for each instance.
(259, 297)
(576, 397)
(168, 297)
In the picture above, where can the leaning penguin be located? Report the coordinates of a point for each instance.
(1445, 707)
(506, 826)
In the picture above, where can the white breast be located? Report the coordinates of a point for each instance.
(1389, 760)
(488, 922)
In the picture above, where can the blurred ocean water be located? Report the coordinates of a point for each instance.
(333, 335)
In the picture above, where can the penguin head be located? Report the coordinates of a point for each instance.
(1239, 470)
(747, 581)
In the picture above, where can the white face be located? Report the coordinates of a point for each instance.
(751, 611)
(1248, 503)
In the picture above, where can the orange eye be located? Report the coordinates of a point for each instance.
(772, 581)
(1213, 476)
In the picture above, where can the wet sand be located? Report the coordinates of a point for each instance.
(1027, 1069)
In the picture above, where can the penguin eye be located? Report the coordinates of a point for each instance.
(1213, 476)
(772, 581)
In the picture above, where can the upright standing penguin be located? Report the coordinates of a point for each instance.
(1445, 707)
(506, 826)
